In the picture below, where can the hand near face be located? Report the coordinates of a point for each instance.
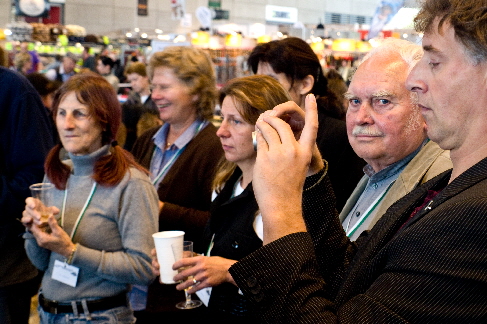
(291, 113)
(209, 271)
(281, 167)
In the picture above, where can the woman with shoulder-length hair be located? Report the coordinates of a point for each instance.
(182, 156)
(97, 242)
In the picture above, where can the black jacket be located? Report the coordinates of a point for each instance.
(431, 270)
(25, 139)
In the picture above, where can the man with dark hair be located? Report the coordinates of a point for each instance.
(425, 261)
(25, 141)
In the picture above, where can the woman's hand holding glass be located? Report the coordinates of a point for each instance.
(208, 271)
(57, 240)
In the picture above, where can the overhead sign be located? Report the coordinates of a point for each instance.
(142, 8)
(221, 14)
(281, 14)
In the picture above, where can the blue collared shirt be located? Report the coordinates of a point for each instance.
(162, 156)
(159, 163)
(377, 186)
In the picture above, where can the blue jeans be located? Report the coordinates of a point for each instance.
(123, 315)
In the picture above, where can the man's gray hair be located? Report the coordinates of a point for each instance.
(411, 53)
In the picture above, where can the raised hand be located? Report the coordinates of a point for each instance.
(282, 165)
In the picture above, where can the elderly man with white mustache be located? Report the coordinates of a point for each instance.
(386, 129)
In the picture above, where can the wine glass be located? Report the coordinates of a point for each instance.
(187, 253)
(42, 193)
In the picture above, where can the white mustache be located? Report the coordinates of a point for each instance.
(366, 130)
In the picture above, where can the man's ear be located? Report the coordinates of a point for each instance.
(306, 85)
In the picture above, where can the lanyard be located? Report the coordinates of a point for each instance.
(83, 210)
(367, 212)
(175, 156)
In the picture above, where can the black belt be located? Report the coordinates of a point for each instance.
(54, 307)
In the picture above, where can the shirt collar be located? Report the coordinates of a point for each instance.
(160, 136)
(393, 168)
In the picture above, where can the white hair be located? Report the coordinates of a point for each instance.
(411, 53)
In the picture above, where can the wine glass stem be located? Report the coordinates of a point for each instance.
(188, 298)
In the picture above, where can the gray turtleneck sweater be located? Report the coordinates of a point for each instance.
(114, 236)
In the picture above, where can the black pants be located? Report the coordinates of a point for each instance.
(15, 302)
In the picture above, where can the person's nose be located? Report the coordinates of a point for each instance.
(363, 115)
(156, 94)
(68, 122)
(415, 82)
(223, 130)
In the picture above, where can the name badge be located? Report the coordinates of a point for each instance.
(65, 273)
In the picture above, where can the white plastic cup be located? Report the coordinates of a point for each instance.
(167, 249)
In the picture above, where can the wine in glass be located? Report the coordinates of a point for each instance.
(187, 253)
(42, 193)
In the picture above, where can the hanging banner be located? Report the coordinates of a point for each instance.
(383, 15)
(32, 8)
(142, 8)
(178, 9)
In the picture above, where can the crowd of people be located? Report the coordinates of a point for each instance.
(305, 205)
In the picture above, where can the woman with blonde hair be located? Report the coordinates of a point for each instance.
(23, 62)
(182, 156)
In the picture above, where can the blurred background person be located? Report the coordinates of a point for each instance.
(106, 209)
(23, 62)
(65, 70)
(337, 85)
(182, 156)
(345, 70)
(3, 57)
(139, 112)
(89, 61)
(36, 62)
(104, 66)
(26, 140)
(293, 63)
(46, 89)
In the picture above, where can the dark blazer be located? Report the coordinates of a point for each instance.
(186, 188)
(234, 237)
(345, 168)
(25, 140)
(431, 270)
(186, 193)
